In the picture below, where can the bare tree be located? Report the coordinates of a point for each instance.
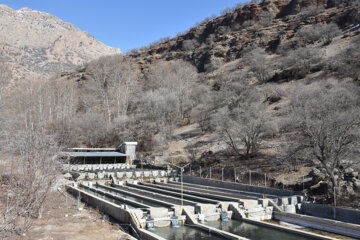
(5, 75)
(301, 60)
(326, 115)
(26, 178)
(100, 73)
(178, 78)
(347, 63)
(123, 81)
(259, 64)
(243, 124)
(323, 32)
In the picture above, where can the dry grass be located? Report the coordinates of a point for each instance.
(60, 222)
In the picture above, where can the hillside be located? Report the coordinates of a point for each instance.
(30, 54)
(271, 87)
(269, 25)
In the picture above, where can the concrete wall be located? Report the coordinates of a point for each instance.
(287, 229)
(236, 186)
(109, 208)
(130, 216)
(341, 214)
(347, 229)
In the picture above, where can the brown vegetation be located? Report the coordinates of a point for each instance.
(259, 81)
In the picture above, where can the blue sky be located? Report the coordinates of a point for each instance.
(127, 24)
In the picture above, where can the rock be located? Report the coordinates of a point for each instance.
(320, 188)
(317, 175)
(354, 174)
(356, 184)
(348, 189)
(273, 98)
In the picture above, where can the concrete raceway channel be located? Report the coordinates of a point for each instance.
(167, 211)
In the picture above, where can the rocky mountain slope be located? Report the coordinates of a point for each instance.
(36, 43)
(180, 94)
(267, 25)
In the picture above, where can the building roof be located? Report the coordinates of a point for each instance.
(92, 149)
(94, 154)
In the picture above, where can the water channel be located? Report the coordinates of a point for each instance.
(253, 231)
(132, 198)
(106, 198)
(185, 233)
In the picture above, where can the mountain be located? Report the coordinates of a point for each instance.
(275, 47)
(201, 95)
(36, 43)
(267, 25)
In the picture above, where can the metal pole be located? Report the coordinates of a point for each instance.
(250, 176)
(334, 203)
(283, 182)
(210, 172)
(142, 171)
(265, 179)
(234, 174)
(190, 171)
(200, 171)
(182, 197)
(303, 183)
(222, 174)
(182, 180)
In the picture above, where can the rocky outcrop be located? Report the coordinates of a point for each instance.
(348, 180)
(36, 43)
(264, 24)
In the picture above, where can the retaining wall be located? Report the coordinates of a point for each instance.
(341, 214)
(109, 208)
(237, 186)
(130, 216)
(347, 229)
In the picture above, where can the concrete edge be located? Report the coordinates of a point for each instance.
(193, 222)
(277, 192)
(275, 206)
(323, 224)
(244, 194)
(170, 199)
(192, 192)
(171, 193)
(287, 229)
(148, 235)
(126, 201)
(166, 204)
(114, 210)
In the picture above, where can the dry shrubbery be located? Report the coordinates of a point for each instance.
(325, 117)
(314, 33)
(347, 63)
(26, 177)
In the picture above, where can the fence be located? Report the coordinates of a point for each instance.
(250, 177)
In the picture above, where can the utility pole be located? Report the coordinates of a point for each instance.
(142, 171)
(265, 179)
(222, 173)
(250, 177)
(181, 177)
(234, 174)
(334, 203)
